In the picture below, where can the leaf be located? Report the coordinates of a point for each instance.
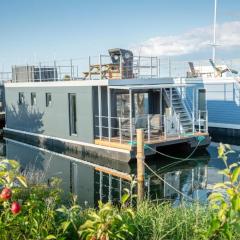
(65, 225)
(230, 192)
(22, 180)
(50, 237)
(233, 165)
(225, 172)
(220, 185)
(236, 203)
(215, 224)
(235, 174)
(214, 195)
(228, 146)
(14, 164)
(221, 150)
(124, 198)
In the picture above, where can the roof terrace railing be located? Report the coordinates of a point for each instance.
(102, 67)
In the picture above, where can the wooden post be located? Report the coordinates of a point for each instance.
(140, 164)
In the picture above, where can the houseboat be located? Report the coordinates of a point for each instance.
(95, 113)
(222, 85)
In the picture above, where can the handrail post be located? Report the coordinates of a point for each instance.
(206, 121)
(109, 115)
(100, 111)
(139, 64)
(179, 126)
(100, 66)
(193, 111)
(40, 72)
(120, 129)
(100, 185)
(151, 66)
(193, 123)
(89, 67)
(159, 67)
(199, 119)
(140, 165)
(71, 77)
(169, 66)
(120, 67)
(131, 116)
(55, 70)
(165, 126)
(149, 128)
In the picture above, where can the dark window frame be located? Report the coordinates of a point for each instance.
(48, 98)
(21, 98)
(33, 98)
(72, 106)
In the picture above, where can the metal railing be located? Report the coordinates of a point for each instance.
(201, 121)
(101, 67)
(123, 129)
(236, 92)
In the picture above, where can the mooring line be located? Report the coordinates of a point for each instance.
(181, 193)
(175, 158)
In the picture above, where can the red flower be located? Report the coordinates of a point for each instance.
(16, 208)
(6, 194)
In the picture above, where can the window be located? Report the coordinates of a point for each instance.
(33, 98)
(201, 100)
(72, 113)
(48, 99)
(20, 98)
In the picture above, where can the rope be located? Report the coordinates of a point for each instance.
(181, 193)
(176, 158)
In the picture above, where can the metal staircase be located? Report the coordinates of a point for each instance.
(180, 109)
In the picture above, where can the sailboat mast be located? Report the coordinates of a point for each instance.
(214, 31)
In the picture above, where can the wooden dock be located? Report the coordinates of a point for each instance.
(157, 141)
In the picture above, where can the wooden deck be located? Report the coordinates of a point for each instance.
(114, 143)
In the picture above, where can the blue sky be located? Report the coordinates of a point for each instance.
(34, 30)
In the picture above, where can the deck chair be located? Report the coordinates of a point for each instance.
(194, 72)
(221, 71)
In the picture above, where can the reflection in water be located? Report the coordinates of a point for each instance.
(192, 177)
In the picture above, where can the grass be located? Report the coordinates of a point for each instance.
(163, 221)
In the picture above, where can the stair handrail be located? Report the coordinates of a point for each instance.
(186, 103)
(173, 110)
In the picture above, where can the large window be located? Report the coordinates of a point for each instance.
(48, 99)
(20, 98)
(72, 113)
(33, 98)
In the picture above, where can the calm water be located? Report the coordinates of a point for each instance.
(194, 177)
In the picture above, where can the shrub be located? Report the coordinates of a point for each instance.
(226, 204)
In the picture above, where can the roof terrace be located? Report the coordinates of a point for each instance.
(118, 64)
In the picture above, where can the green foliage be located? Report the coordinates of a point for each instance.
(226, 202)
(109, 222)
(71, 219)
(10, 175)
(37, 219)
(158, 221)
(44, 215)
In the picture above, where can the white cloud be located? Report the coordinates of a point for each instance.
(228, 36)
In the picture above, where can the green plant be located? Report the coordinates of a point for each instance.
(109, 222)
(10, 175)
(37, 219)
(160, 220)
(226, 204)
(72, 217)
